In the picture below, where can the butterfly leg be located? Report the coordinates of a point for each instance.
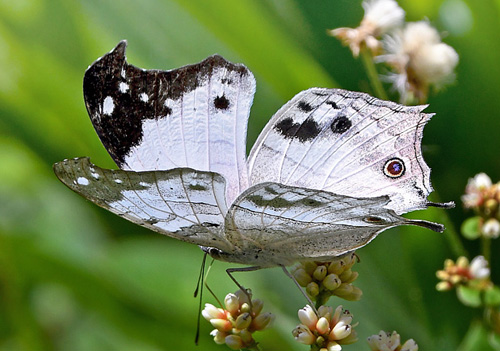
(229, 272)
(300, 288)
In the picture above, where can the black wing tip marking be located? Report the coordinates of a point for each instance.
(437, 227)
(123, 86)
(445, 205)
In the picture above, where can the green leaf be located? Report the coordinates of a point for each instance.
(468, 296)
(494, 340)
(470, 228)
(476, 338)
(492, 296)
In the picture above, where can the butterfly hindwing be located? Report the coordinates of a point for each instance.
(279, 224)
(182, 203)
(195, 116)
(340, 141)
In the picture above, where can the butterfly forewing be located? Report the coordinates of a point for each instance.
(340, 141)
(195, 116)
(182, 203)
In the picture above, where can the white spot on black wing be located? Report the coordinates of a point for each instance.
(108, 106)
(123, 87)
(82, 181)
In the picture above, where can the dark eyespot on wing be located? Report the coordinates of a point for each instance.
(306, 131)
(304, 106)
(221, 102)
(341, 125)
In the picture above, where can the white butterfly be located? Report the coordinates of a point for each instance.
(329, 172)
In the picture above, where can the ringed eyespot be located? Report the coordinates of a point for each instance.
(394, 168)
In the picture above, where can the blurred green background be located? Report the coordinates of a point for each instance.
(74, 277)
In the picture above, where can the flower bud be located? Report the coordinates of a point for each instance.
(491, 228)
(336, 267)
(232, 303)
(320, 272)
(340, 331)
(462, 262)
(243, 295)
(245, 307)
(308, 317)
(343, 290)
(312, 289)
(234, 342)
(443, 286)
(309, 267)
(303, 335)
(302, 277)
(323, 326)
(222, 325)
(346, 275)
(333, 346)
(262, 321)
(219, 337)
(257, 306)
(331, 281)
(352, 277)
(247, 337)
(243, 321)
(212, 312)
(479, 268)
(325, 311)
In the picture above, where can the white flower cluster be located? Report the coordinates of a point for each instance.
(413, 51)
(390, 342)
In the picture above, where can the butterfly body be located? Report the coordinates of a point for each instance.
(330, 171)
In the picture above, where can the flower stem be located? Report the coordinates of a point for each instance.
(486, 248)
(372, 73)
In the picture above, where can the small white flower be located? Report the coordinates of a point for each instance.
(384, 341)
(308, 317)
(380, 17)
(480, 181)
(409, 345)
(383, 15)
(303, 335)
(491, 228)
(475, 190)
(479, 268)
(419, 59)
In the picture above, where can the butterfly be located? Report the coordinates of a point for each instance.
(330, 171)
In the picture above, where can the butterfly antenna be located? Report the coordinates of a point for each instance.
(300, 288)
(199, 288)
(200, 276)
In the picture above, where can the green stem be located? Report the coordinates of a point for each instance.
(372, 73)
(486, 248)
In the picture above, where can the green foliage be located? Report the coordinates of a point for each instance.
(75, 277)
(470, 228)
(469, 296)
(492, 296)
